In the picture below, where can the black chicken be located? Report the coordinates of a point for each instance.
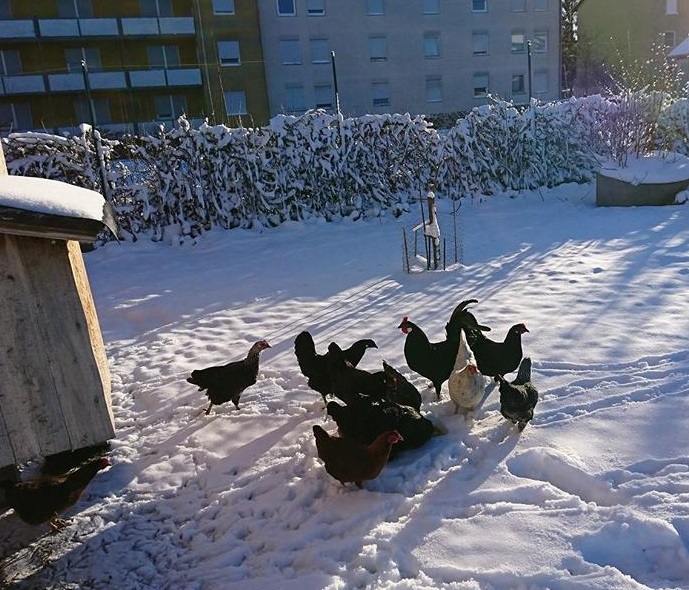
(314, 366)
(497, 358)
(518, 398)
(364, 419)
(435, 360)
(227, 382)
(42, 499)
(399, 389)
(348, 381)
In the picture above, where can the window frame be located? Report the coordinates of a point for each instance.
(19, 120)
(383, 99)
(229, 96)
(227, 59)
(293, 12)
(513, 44)
(478, 9)
(481, 93)
(540, 42)
(293, 92)
(316, 58)
(375, 7)
(431, 7)
(671, 7)
(431, 40)
(285, 58)
(375, 43)
(323, 86)
(478, 34)
(167, 9)
(91, 55)
(318, 10)
(431, 80)
(520, 8)
(218, 10)
(15, 61)
(540, 5)
(521, 88)
(540, 75)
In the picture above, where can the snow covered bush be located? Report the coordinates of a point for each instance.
(179, 183)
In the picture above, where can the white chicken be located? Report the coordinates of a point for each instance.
(466, 385)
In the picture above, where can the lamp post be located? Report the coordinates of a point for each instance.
(528, 65)
(337, 94)
(96, 136)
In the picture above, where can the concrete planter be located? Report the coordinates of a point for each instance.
(654, 179)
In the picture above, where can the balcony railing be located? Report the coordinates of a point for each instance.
(55, 28)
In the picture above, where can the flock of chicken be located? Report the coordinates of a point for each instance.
(381, 415)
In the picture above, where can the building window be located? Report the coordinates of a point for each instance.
(10, 62)
(540, 5)
(518, 84)
(5, 13)
(162, 56)
(75, 55)
(228, 53)
(73, 8)
(669, 39)
(431, 7)
(479, 40)
(323, 95)
(156, 7)
(431, 45)
(480, 84)
(518, 42)
(15, 117)
(671, 7)
(294, 99)
(540, 82)
(101, 110)
(518, 5)
(235, 102)
(540, 41)
(289, 52)
(375, 6)
(169, 107)
(434, 89)
(378, 48)
(479, 6)
(315, 7)
(286, 8)
(320, 52)
(223, 6)
(381, 94)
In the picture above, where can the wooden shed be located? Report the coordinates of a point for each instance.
(54, 375)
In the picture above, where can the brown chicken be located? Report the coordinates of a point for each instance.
(227, 382)
(348, 460)
(42, 499)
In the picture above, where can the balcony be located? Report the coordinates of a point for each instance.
(162, 78)
(153, 26)
(16, 29)
(56, 28)
(23, 84)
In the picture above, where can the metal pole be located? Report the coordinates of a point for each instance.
(96, 136)
(337, 94)
(528, 65)
(87, 85)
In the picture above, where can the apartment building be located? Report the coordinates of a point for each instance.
(133, 65)
(615, 31)
(130, 64)
(416, 56)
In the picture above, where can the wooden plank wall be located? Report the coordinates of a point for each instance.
(53, 396)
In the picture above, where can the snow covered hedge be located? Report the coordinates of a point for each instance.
(182, 182)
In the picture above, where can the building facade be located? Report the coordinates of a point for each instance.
(133, 65)
(145, 62)
(418, 56)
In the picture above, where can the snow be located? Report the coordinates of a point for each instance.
(655, 167)
(594, 493)
(53, 197)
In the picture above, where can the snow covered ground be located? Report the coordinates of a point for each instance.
(594, 493)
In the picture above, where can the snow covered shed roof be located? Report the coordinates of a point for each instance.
(682, 50)
(45, 208)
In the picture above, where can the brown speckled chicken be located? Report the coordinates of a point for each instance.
(42, 499)
(348, 460)
(227, 382)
